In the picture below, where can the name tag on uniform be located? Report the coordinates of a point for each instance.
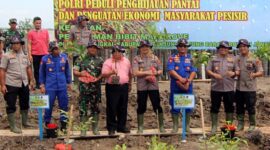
(12, 61)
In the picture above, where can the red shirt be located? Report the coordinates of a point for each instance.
(39, 41)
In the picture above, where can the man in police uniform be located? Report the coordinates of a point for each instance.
(16, 74)
(80, 34)
(55, 79)
(12, 31)
(90, 93)
(147, 68)
(182, 73)
(222, 69)
(250, 69)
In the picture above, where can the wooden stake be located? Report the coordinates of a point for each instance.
(202, 118)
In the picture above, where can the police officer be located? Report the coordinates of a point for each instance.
(250, 69)
(147, 67)
(16, 74)
(90, 93)
(55, 79)
(80, 34)
(182, 73)
(12, 31)
(222, 69)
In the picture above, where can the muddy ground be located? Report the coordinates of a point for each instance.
(201, 91)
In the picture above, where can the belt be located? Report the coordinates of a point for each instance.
(117, 84)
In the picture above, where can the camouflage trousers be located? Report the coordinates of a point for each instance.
(88, 104)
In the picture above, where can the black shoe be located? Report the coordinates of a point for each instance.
(111, 132)
(125, 130)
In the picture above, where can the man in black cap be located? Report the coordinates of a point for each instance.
(16, 76)
(80, 34)
(182, 72)
(147, 67)
(90, 90)
(12, 31)
(55, 80)
(222, 69)
(250, 68)
(117, 71)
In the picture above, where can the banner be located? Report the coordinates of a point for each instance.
(203, 22)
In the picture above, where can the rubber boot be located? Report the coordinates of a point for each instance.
(25, 123)
(252, 123)
(161, 123)
(188, 130)
(240, 126)
(63, 126)
(214, 119)
(175, 123)
(229, 117)
(83, 119)
(140, 118)
(11, 121)
(95, 124)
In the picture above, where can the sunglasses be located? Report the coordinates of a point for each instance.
(182, 46)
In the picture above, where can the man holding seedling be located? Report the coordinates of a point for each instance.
(182, 73)
(16, 76)
(222, 69)
(89, 72)
(250, 69)
(55, 79)
(147, 68)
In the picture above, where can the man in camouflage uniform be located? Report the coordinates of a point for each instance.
(12, 31)
(222, 69)
(250, 69)
(90, 92)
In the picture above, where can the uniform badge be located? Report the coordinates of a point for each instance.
(187, 60)
(63, 60)
(176, 68)
(49, 61)
(50, 69)
(229, 59)
(63, 68)
(176, 59)
(188, 68)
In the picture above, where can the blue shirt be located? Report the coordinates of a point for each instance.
(54, 72)
(183, 66)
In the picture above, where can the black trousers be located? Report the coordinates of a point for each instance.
(142, 101)
(36, 65)
(117, 103)
(245, 101)
(217, 97)
(11, 98)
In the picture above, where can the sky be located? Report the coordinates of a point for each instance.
(257, 28)
(22, 9)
